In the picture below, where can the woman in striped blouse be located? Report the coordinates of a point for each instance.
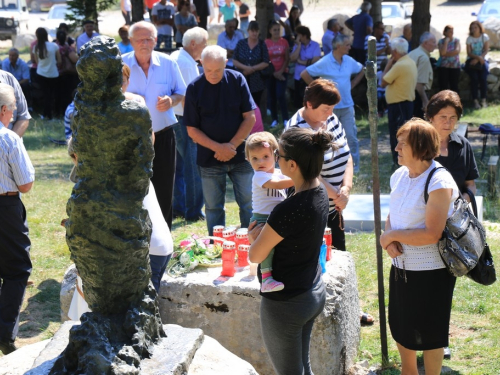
(317, 113)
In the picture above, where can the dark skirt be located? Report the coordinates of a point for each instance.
(419, 309)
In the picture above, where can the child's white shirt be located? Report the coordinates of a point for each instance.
(264, 200)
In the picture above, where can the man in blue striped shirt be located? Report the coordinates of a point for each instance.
(16, 176)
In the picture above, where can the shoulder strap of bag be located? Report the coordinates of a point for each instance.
(431, 173)
(472, 201)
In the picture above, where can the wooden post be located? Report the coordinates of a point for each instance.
(371, 77)
(492, 175)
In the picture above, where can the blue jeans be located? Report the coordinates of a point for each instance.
(244, 27)
(276, 93)
(478, 79)
(188, 195)
(158, 266)
(213, 181)
(346, 118)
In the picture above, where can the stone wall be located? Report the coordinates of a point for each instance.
(227, 309)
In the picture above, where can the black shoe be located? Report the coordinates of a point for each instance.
(7, 347)
(200, 217)
(447, 353)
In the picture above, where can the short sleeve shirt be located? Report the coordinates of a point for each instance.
(251, 57)
(47, 67)
(164, 12)
(402, 80)
(327, 40)
(228, 11)
(477, 44)
(15, 165)
(307, 52)
(280, 9)
(243, 10)
(334, 162)
(360, 22)
(82, 39)
(277, 51)
(301, 221)
(424, 67)
(228, 43)
(164, 78)
(407, 211)
(21, 111)
(189, 21)
(265, 199)
(340, 74)
(460, 160)
(125, 48)
(217, 110)
(450, 61)
(21, 70)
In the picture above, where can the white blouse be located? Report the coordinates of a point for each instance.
(407, 211)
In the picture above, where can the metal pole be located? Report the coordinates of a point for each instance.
(371, 77)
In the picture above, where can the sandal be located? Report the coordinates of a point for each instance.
(366, 319)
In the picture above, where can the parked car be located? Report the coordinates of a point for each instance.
(14, 18)
(38, 5)
(57, 14)
(394, 13)
(489, 8)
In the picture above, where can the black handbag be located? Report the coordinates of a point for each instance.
(463, 239)
(269, 70)
(484, 273)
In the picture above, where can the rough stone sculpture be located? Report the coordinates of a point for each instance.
(108, 230)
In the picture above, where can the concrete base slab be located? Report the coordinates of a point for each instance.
(359, 216)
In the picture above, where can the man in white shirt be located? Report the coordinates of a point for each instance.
(163, 17)
(88, 34)
(188, 194)
(157, 78)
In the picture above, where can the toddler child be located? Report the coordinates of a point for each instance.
(268, 189)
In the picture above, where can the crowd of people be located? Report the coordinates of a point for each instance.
(201, 122)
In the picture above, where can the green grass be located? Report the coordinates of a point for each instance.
(475, 336)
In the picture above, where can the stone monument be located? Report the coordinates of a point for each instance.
(108, 230)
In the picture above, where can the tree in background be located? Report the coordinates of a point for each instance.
(81, 10)
(420, 20)
(264, 14)
(376, 11)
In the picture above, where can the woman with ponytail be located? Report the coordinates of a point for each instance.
(295, 230)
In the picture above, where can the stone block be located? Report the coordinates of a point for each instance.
(20, 361)
(492, 28)
(495, 71)
(214, 30)
(491, 78)
(175, 354)
(227, 309)
(213, 359)
(68, 287)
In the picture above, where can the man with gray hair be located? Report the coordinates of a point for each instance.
(338, 67)
(156, 77)
(19, 69)
(188, 195)
(332, 29)
(399, 78)
(20, 117)
(219, 115)
(16, 176)
(362, 25)
(421, 56)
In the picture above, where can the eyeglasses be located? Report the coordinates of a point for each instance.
(277, 156)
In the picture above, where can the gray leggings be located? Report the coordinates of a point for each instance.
(286, 329)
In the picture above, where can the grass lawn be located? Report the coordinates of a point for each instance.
(475, 336)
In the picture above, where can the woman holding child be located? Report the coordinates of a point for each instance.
(295, 230)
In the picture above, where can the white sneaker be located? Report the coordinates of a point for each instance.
(274, 124)
(484, 104)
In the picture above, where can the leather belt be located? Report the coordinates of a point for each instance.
(9, 193)
(163, 130)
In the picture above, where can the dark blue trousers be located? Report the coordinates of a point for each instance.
(398, 114)
(15, 264)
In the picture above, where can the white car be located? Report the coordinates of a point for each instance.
(57, 14)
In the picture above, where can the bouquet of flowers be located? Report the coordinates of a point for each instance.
(193, 252)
